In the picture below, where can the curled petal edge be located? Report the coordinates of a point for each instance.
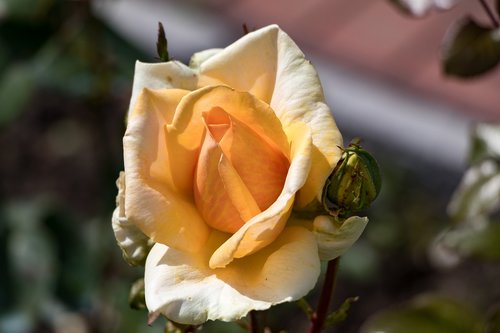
(134, 244)
(334, 239)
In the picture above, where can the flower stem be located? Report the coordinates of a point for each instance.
(488, 11)
(319, 316)
(254, 322)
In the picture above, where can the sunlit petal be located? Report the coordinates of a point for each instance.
(163, 75)
(298, 96)
(181, 285)
(152, 201)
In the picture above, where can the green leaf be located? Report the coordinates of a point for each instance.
(16, 87)
(340, 314)
(470, 49)
(478, 194)
(429, 314)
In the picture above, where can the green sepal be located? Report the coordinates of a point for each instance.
(162, 44)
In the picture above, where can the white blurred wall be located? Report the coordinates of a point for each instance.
(364, 105)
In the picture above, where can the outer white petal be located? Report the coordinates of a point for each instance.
(200, 57)
(298, 96)
(134, 244)
(172, 74)
(334, 240)
(181, 286)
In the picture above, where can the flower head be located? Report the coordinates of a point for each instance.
(218, 157)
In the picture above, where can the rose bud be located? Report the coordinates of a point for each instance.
(354, 183)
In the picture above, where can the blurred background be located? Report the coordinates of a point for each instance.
(66, 70)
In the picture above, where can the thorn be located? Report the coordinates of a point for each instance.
(245, 28)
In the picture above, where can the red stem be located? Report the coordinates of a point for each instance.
(318, 317)
(254, 322)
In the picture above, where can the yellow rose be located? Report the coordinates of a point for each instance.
(217, 155)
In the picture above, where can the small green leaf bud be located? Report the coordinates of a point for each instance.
(354, 183)
(162, 44)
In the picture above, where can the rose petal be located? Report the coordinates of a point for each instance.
(200, 57)
(298, 96)
(133, 243)
(181, 286)
(238, 176)
(172, 74)
(210, 195)
(262, 168)
(271, 66)
(249, 64)
(264, 228)
(333, 240)
(237, 191)
(153, 200)
(241, 105)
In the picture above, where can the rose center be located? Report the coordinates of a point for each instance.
(238, 175)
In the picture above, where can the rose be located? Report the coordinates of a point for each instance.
(217, 156)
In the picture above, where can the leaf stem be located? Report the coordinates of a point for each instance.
(318, 317)
(490, 14)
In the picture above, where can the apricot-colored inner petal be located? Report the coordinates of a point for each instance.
(264, 228)
(217, 122)
(243, 106)
(261, 167)
(251, 172)
(211, 199)
(238, 193)
(184, 137)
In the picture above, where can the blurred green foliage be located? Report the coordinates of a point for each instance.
(476, 202)
(426, 313)
(475, 234)
(59, 45)
(64, 81)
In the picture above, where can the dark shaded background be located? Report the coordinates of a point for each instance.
(65, 81)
